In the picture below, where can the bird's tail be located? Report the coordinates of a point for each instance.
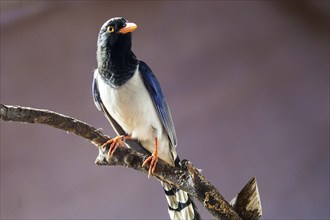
(180, 204)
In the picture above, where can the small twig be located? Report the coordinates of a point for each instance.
(186, 178)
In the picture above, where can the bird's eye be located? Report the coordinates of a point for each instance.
(110, 29)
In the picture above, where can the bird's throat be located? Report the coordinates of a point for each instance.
(116, 66)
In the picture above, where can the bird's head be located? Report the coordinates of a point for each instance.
(114, 55)
(116, 33)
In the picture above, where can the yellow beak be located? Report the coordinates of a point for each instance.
(130, 27)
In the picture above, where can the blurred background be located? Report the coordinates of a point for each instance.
(247, 83)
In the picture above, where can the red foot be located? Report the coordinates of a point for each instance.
(153, 159)
(115, 142)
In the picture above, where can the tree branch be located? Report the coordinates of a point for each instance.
(186, 178)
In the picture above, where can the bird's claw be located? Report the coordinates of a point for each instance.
(153, 159)
(114, 143)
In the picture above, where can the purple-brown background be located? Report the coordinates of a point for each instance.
(247, 83)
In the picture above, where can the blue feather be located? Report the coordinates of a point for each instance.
(153, 87)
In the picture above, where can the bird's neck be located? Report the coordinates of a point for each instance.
(116, 65)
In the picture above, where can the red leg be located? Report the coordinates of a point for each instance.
(152, 159)
(115, 142)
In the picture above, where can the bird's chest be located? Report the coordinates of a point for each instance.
(132, 108)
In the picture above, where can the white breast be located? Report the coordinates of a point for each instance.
(132, 108)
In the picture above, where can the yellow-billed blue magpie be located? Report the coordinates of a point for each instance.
(128, 93)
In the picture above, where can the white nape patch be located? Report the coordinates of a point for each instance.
(133, 109)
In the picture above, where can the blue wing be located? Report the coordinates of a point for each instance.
(159, 101)
(96, 93)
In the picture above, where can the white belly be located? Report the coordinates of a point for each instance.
(132, 108)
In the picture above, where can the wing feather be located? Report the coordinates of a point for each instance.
(153, 87)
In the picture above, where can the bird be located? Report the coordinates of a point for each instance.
(128, 93)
